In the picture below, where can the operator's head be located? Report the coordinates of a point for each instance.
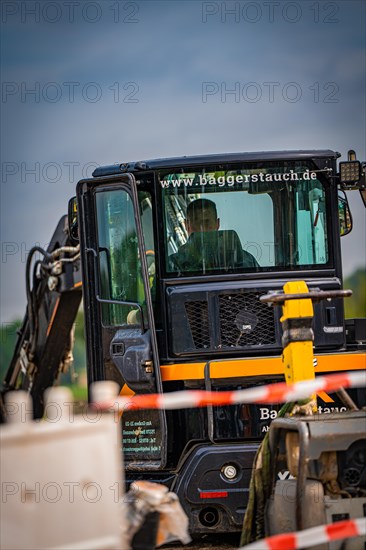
(202, 216)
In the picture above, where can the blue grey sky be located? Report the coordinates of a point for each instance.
(115, 81)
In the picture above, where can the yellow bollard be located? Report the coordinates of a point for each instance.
(298, 336)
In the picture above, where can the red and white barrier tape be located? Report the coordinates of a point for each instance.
(311, 537)
(274, 393)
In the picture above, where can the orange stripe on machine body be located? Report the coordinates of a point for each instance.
(53, 316)
(126, 391)
(325, 397)
(266, 366)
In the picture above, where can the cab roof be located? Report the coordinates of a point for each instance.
(173, 162)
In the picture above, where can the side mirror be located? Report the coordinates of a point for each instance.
(363, 196)
(344, 213)
(73, 226)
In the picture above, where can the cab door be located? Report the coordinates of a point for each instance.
(115, 221)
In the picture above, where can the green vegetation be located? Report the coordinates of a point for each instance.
(79, 392)
(8, 338)
(75, 378)
(356, 305)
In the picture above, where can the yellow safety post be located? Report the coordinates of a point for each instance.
(298, 336)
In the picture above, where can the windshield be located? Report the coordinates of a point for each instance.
(244, 218)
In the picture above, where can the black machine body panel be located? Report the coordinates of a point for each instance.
(216, 319)
(212, 500)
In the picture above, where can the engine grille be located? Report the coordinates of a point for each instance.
(245, 321)
(233, 320)
(197, 313)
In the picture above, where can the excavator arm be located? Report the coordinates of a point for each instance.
(44, 345)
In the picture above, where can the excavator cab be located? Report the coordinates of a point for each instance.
(168, 308)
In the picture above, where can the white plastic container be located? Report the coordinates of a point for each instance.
(61, 478)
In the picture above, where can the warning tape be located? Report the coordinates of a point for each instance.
(311, 537)
(273, 393)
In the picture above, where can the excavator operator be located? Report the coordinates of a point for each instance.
(207, 247)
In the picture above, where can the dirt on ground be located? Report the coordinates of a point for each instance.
(212, 542)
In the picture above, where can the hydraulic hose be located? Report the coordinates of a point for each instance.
(31, 296)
